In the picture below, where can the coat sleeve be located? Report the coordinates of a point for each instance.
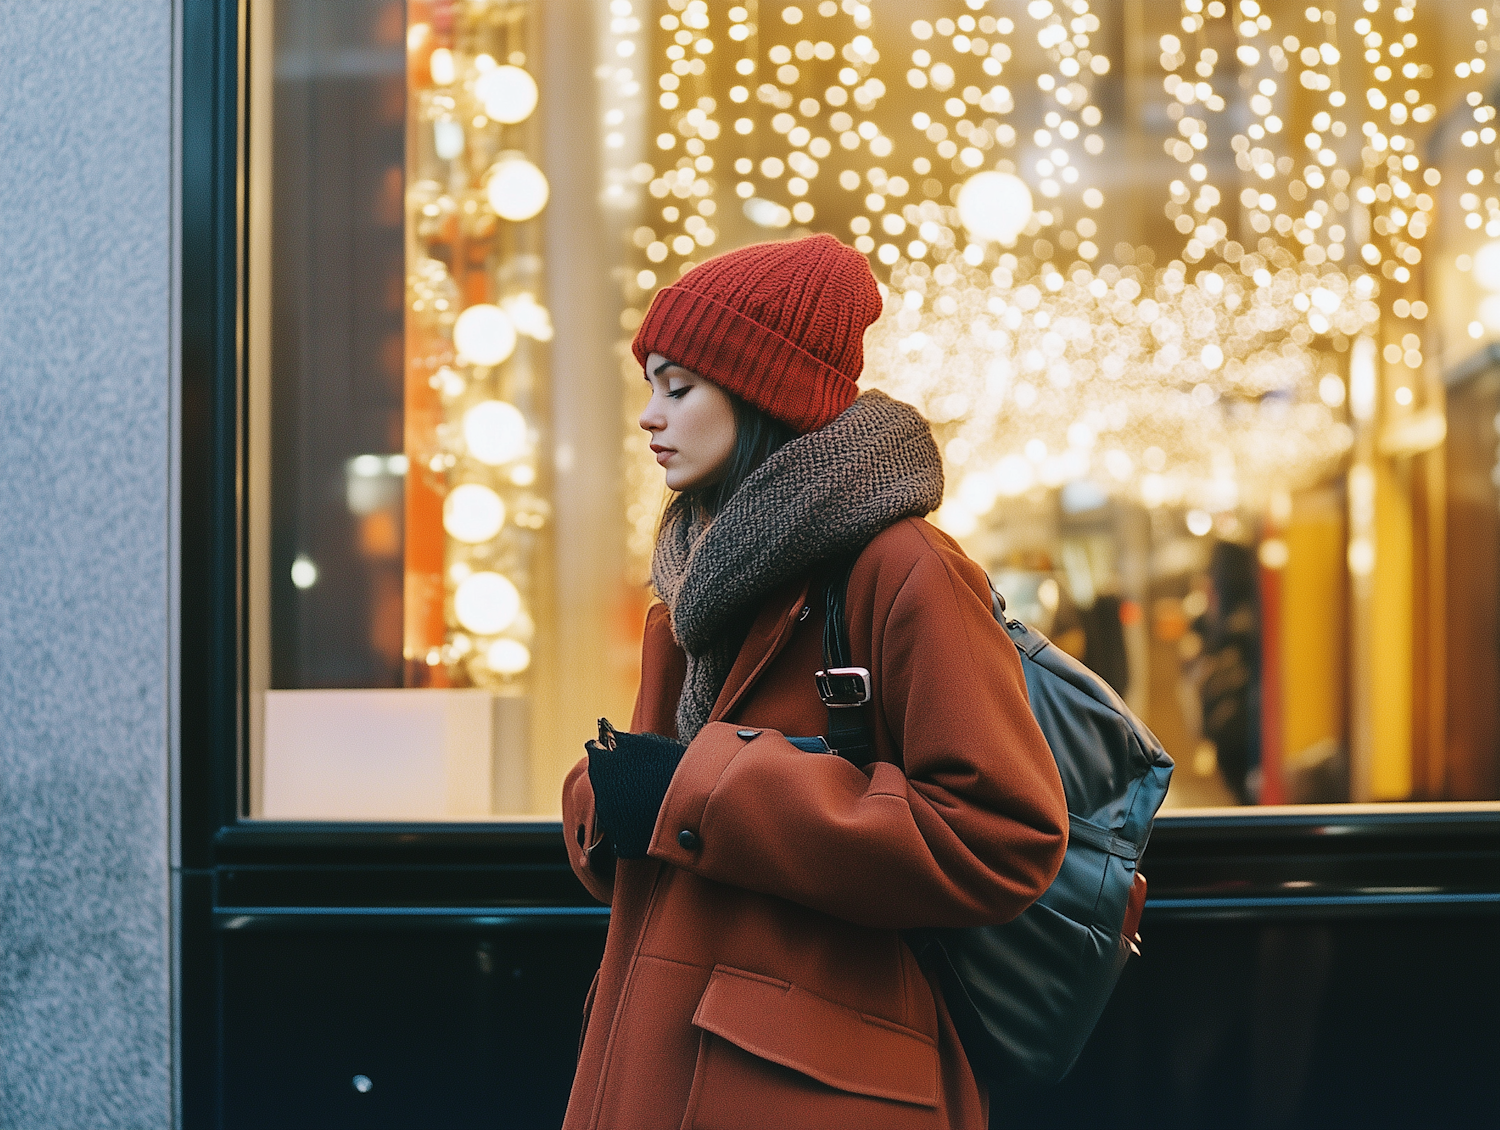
(662, 669)
(969, 834)
(585, 852)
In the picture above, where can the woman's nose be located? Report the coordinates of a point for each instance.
(651, 419)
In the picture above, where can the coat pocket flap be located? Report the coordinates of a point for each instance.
(779, 1022)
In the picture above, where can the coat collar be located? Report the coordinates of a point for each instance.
(768, 635)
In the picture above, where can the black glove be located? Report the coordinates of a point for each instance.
(630, 774)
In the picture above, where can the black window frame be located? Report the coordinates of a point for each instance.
(238, 873)
(214, 727)
(249, 874)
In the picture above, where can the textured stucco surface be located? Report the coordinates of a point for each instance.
(85, 179)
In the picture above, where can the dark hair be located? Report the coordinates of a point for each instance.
(757, 437)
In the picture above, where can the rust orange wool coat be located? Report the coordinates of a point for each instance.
(757, 977)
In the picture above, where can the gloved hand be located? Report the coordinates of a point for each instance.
(630, 774)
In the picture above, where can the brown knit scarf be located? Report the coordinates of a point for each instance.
(820, 496)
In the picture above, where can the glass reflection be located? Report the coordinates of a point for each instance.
(1201, 300)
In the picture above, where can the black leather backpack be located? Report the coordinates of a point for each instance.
(1026, 995)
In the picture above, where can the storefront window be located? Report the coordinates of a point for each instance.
(1199, 299)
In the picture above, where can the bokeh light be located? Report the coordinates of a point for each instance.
(994, 206)
(516, 188)
(486, 603)
(508, 93)
(473, 513)
(495, 432)
(508, 657)
(484, 335)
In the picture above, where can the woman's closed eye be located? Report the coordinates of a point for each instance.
(679, 393)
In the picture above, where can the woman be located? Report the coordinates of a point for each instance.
(755, 974)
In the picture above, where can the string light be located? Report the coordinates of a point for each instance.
(1208, 380)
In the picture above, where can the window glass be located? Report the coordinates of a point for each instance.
(1201, 301)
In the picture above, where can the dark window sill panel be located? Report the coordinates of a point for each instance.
(1335, 861)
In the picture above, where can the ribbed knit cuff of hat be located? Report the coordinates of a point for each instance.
(630, 782)
(780, 325)
(739, 354)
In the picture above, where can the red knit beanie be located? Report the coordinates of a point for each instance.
(780, 325)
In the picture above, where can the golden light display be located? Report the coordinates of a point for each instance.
(476, 379)
(970, 161)
(1178, 256)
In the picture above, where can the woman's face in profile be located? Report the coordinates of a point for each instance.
(692, 425)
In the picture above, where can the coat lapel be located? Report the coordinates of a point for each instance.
(768, 635)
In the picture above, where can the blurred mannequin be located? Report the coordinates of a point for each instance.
(1230, 687)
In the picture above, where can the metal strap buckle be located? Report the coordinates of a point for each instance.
(843, 686)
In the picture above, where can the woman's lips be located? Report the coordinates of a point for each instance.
(663, 453)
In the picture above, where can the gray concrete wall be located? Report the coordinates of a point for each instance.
(85, 434)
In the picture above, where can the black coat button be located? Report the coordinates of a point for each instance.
(688, 839)
(746, 735)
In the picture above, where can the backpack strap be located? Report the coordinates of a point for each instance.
(846, 690)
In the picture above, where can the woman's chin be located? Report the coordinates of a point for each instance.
(680, 481)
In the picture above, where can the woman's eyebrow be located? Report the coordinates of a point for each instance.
(664, 366)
